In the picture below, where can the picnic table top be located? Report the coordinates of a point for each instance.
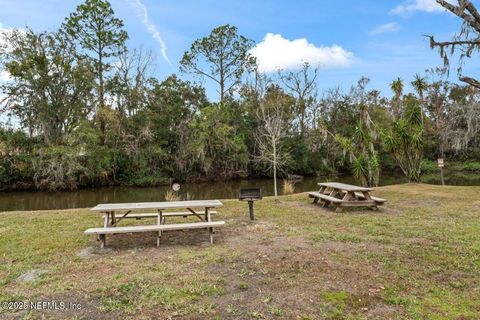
(344, 186)
(104, 207)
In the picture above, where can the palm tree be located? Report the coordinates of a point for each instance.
(404, 140)
(420, 85)
(397, 88)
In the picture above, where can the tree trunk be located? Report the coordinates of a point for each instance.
(100, 77)
(275, 171)
(101, 97)
(422, 108)
(396, 107)
(302, 117)
(222, 86)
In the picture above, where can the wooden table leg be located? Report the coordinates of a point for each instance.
(315, 199)
(101, 237)
(113, 218)
(106, 219)
(367, 197)
(348, 195)
(159, 222)
(366, 194)
(208, 218)
(333, 193)
(103, 241)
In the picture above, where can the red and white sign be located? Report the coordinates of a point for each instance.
(440, 162)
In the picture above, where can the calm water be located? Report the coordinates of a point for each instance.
(10, 201)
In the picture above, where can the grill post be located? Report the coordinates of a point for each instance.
(250, 209)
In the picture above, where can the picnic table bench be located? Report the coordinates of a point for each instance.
(345, 195)
(111, 218)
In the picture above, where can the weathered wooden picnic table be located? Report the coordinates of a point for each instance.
(345, 195)
(129, 211)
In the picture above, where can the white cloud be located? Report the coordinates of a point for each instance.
(276, 52)
(142, 12)
(5, 76)
(384, 28)
(417, 5)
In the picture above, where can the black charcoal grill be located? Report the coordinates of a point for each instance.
(250, 195)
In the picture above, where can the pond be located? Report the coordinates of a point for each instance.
(13, 201)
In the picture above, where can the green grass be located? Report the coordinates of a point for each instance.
(418, 258)
(144, 292)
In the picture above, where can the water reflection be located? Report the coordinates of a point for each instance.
(212, 190)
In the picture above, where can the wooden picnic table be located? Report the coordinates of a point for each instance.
(128, 211)
(345, 195)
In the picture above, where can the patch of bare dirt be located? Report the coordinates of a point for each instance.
(93, 252)
(348, 249)
(390, 210)
(309, 206)
(476, 204)
(289, 274)
(32, 275)
(417, 241)
(420, 203)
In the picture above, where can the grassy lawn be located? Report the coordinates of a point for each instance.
(416, 258)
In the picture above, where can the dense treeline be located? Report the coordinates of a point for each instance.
(88, 112)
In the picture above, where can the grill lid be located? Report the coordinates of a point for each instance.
(250, 194)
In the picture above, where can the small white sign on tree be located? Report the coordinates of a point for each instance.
(440, 163)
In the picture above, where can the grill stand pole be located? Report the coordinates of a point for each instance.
(250, 209)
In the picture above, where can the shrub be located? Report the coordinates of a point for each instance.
(429, 166)
(288, 187)
(170, 195)
(57, 168)
(101, 163)
(471, 166)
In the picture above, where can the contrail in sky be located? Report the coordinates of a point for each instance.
(142, 13)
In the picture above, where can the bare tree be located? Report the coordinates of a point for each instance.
(302, 85)
(272, 132)
(467, 41)
(129, 84)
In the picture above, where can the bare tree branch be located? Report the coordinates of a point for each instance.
(467, 40)
(470, 81)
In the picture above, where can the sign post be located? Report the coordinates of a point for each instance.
(441, 165)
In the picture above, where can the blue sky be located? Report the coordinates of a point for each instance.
(378, 39)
